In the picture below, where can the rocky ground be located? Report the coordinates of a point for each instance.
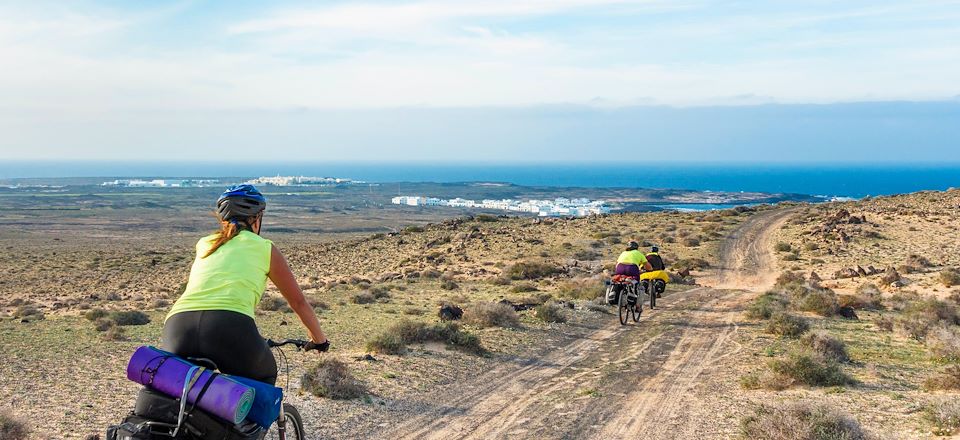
(898, 243)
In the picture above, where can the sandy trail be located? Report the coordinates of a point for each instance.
(615, 381)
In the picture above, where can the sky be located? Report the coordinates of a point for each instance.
(502, 80)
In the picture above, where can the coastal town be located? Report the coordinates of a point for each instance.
(559, 207)
(277, 180)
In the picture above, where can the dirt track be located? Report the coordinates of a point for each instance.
(636, 381)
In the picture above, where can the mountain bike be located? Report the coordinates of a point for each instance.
(626, 290)
(166, 419)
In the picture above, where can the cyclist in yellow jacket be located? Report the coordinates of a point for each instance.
(631, 260)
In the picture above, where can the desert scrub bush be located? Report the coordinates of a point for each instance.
(782, 247)
(944, 343)
(948, 379)
(950, 276)
(491, 314)
(808, 368)
(943, 416)
(523, 287)
(586, 255)
(115, 333)
(690, 264)
(820, 301)
(130, 317)
(95, 314)
(364, 297)
(790, 257)
(825, 345)
(884, 324)
(486, 218)
(28, 312)
(395, 338)
(799, 421)
(583, 288)
(810, 246)
(449, 285)
(868, 297)
(413, 229)
(274, 303)
(550, 312)
(387, 343)
(766, 305)
(786, 325)
(531, 270)
(331, 378)
(103, 324)
(12, 428)
(789, 279)
(690, 241)
(921, 316)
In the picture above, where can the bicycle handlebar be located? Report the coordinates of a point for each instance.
(299, 343)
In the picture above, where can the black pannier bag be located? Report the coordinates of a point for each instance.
(155, 417)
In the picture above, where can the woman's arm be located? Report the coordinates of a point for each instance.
(283, 278)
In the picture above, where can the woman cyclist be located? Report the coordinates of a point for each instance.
(214, 318)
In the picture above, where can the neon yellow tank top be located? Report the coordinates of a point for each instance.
(232, 278)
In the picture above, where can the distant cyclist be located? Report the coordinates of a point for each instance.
(655, 260)
(214, 317)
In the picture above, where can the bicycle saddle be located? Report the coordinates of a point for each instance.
(204, 362)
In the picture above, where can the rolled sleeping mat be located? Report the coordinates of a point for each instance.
(165, 372)
(266, 401)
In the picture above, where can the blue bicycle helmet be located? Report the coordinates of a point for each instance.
(240, 201)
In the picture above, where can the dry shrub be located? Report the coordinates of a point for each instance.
(782, 247)
(274, 303)
(808, 368)
(786, 325)
(523, 287)
(690, 242)
(550, 312)
(825, 345)
(387, 343)
(582, 288)
(395, 338)
(331, 378)
(868, 297)
(103, 324)
(799, 421)
(944, 343)
(766, 305)
(95, 314)
(943, 416)
(884, 323)
(820, 301)
(690, 264)
(789, 279)
(28, 312)
(130, 317)
(531, 270)
(12, 428)
(115, 333)
(449, 285)
(363, 298)
(948, 379)
(491, 314)
(921, 316)
(950, 276)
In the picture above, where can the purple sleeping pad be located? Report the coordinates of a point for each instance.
(167, 373)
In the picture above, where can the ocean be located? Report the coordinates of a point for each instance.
(834, 180)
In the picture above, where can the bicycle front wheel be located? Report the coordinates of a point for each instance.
(294, 426)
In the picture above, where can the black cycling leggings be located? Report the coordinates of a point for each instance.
(229, 339)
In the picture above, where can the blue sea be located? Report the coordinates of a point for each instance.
(834, 180)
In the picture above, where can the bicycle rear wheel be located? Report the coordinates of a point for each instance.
(636, 311)
(624, 307)
(294, 426)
